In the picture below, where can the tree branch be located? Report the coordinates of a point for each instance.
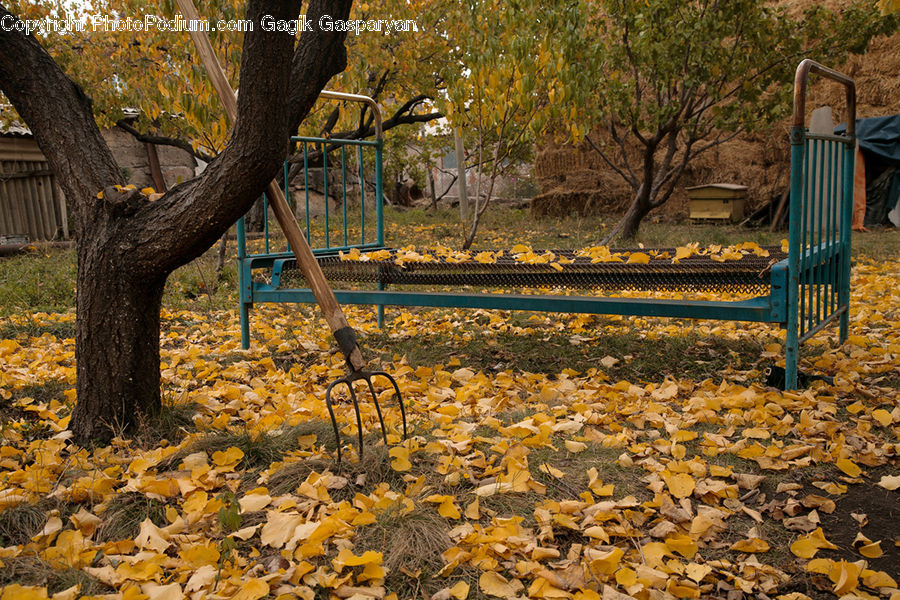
(159, 140)
(627, 177)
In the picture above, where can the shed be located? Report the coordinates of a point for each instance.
(717, 201)
(31, 203)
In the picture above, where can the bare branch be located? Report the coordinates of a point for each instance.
(628, 177)
(159, 140)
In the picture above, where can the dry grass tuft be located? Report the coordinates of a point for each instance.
(124, 514)
(31, 570)
(411, 544)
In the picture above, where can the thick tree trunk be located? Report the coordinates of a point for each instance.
(117, 345)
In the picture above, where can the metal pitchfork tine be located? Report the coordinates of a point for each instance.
(348, 381)
(306, 260)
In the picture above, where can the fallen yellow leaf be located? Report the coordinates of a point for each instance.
(681, 485)
(848, 467)
(751, 545)
(494, 584)
(890, 482)
(400, 456)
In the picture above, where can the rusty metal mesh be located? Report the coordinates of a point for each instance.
(697, 273)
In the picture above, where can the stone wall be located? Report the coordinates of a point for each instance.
(176, 164)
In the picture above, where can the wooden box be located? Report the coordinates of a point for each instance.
(723, 201)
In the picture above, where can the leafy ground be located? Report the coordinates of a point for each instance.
(549, 456)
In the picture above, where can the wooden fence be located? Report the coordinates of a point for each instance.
(31, 203)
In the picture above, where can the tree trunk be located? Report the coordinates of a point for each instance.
(632, 219)
(220, 258)
(117, 345)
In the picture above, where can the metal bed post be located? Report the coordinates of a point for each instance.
(811, 194)
(798, 174)
(846, 215)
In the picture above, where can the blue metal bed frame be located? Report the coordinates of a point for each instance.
(807, 292)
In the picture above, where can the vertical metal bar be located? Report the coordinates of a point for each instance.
(827, 175)
(798, 176)
(815, 183)
(837, 198)
(362, 196)
(344, 187)
(244, 311)
(808, 177)
(379, 210)
(846, 219)
(838, 231)
(242, 282)
(241, 239)
(827, 238)
(325, 193)
(306, 187)
(266, 221)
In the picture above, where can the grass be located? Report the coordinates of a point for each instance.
(174, 421)
(125, 513)
(43, 392)
(19, 523)
(411, 543)
(31, 570)
(35, 328)
(641, 358)
(259, 450)
(42, 281)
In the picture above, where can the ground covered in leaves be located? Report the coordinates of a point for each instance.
(548, 456)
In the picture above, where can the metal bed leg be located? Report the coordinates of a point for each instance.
(245, 326)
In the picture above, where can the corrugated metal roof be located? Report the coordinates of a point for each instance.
(16, 129)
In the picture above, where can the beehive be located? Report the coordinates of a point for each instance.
(723, 201)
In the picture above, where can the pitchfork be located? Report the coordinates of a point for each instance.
(309, 266)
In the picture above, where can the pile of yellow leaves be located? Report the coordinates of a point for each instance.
(570, 486)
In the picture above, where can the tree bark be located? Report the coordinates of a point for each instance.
(642, 203)
(631, 222)
(127, 245)
(117, 346)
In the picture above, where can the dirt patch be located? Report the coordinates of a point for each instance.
(10, 413)
(882, 510)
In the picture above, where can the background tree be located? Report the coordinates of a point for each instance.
(127, 244)
(503, 73)
(671, 79)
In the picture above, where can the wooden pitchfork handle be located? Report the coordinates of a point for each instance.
(309, 266)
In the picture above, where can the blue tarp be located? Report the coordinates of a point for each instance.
(879, 136)
(879, 140)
